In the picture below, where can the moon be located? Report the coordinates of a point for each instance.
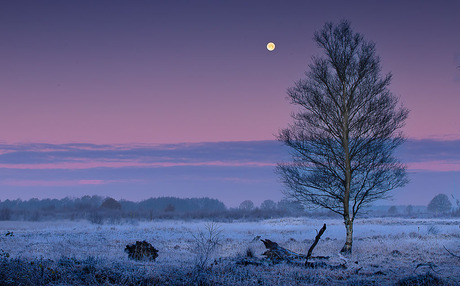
(271, 46)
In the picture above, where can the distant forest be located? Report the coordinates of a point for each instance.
(100, 210)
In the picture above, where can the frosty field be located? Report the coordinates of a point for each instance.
(385, 251)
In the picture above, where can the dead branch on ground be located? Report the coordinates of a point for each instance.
(276, 254)
(318, 236)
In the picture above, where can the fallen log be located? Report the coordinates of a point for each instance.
(276, 254)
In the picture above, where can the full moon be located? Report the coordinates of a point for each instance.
(270, 46)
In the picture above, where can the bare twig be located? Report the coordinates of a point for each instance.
(451, 252)
(429, 264)
(206, 243)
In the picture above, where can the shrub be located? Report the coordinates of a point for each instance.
(142, 250)
(207, 243)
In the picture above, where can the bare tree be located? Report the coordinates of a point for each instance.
(268, 205)
(409, 210)
(246, 205)
(393, 210)
(111, 204)
(345, 129)
(440, 204)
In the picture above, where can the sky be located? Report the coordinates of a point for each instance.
(93, 92)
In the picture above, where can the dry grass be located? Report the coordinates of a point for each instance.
(386, 252)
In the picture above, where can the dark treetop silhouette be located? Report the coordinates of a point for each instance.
(345, 129)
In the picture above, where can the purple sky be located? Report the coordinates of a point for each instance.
(161, 72)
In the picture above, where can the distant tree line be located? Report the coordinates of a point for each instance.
(440, 205)
(100, 210)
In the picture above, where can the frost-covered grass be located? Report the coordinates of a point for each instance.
(385, 251)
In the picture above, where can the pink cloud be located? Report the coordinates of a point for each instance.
(92, 182)
(56, 183)
(87, 164)
(440, 166)
(59, 183)
(228, 179)
(436, 166)
(438, 137)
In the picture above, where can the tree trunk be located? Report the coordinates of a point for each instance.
(348, 243)
(347, 184)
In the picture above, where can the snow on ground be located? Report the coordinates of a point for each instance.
(394, 246)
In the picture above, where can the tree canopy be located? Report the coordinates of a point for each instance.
(345, 129)
(440, 204)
